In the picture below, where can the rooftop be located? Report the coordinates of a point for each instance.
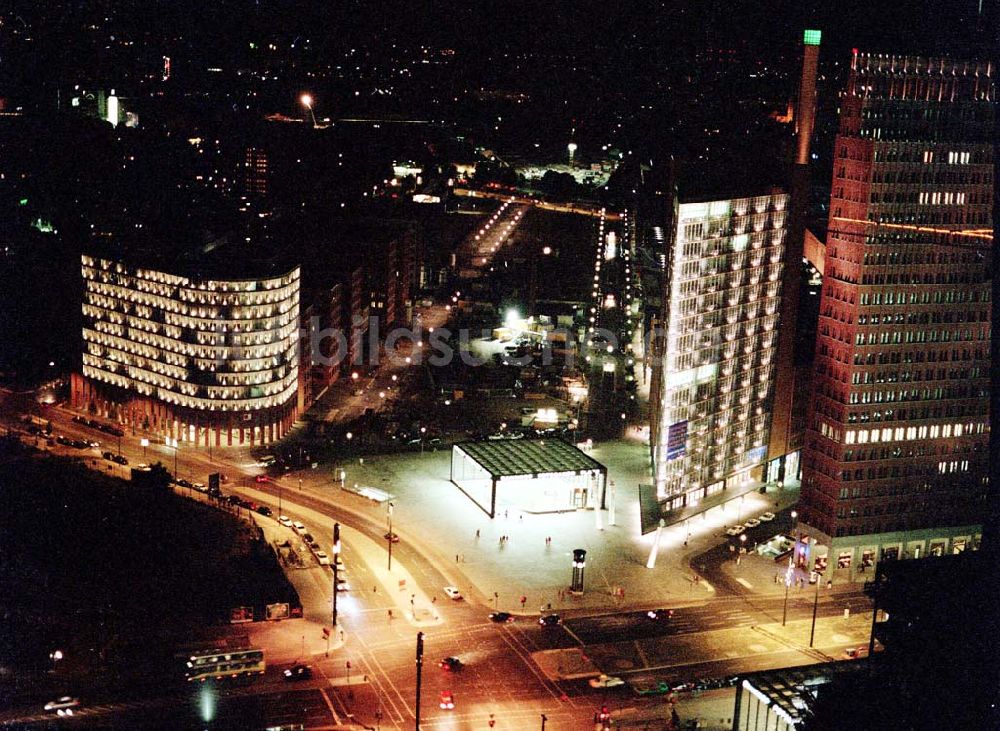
(511, 457)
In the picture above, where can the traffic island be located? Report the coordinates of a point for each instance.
(565, 664)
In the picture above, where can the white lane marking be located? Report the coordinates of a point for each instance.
(329, 705)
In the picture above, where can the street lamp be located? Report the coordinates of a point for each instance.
(389, 508)
(336, 557)
(788, 582)
(423, 430)
(743, 543)
(307, 102)
(145, 443)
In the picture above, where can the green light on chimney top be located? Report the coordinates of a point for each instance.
(811, 37)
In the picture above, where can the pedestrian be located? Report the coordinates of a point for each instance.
(500, 542)
(456, 558)
(434, 600)
(685, 543)
(521, 517)
(477, 533)
(375, 589)
(505, 513)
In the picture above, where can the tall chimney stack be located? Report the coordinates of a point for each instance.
(780, 442)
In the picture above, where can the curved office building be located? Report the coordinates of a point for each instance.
(205, 361)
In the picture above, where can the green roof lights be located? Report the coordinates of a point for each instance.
(811, 37)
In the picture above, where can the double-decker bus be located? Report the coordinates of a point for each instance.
(224, 664)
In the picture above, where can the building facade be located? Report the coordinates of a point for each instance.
(715, 349)
(895, 459)
(201, 361)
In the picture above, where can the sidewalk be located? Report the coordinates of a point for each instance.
(412, 603)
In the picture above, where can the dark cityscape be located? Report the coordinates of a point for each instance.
(498, 365)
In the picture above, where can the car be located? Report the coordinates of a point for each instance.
(453, 593)
(452, 664)
(735, 530)
(343, 586)
(63, 706)
(501, 617)
(766, 517)
(299, 527)
(856, 652)
(605, 681)
(120, 459)
(110, 456)
(308, 538)
(656, 614)
(660, 688)
(235, 500)
(285, 521)
(265, 511)
(752, 523)
(323, 559)
(447, 702)
(391, 537)
(549, 620)
(682, 686)
(260, 478)
(184, 483)
(200, 487)
(298, 672)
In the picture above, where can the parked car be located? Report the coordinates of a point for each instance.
(392, 537)
(766, 516)
(549, 620)
(752, 523)
(501, 617)
(453, 593)
(660, 688)
(184, 483)
(323, 559)
(264, 510)
(299, 527)
(735, 530)
(285, 521)
(606, 681)
(260, 478)
(342, 585)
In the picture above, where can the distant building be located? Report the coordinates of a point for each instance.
(210, 359)
(895, 457)
(253, 174)
(713, 354)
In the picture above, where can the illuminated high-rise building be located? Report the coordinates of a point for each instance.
(253, 172)
(714, 353)
(895, 458)
(203, 359)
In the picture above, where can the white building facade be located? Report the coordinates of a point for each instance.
(718, 339)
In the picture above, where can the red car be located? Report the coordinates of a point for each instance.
(447, 700)
(260, 478)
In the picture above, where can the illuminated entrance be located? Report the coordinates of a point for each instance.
(533, 475)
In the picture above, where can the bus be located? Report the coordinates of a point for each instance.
(202, 666)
